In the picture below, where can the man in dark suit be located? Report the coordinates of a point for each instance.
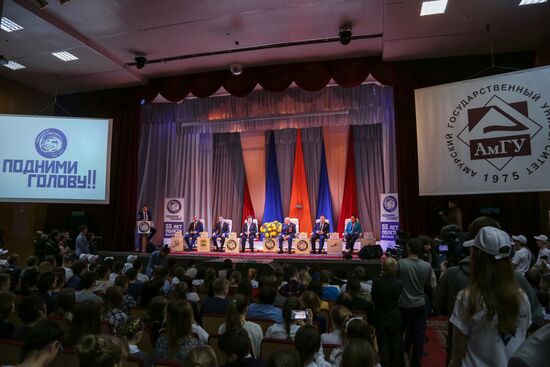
(287, 234)
(320, 232)
(145, 214)
(193, 232)
(221, 231)
(250, 229)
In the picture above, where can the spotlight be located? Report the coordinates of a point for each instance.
(42, 3)
(141, 60)
(236, 69)
(345, 34)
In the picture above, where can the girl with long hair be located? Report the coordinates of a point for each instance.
(491, 316)
(114, 307)
(101, 351)
(287, 330)
(179, 336)
(131, 331)
(86, 320)
(308, 344)
(156, 316)
(235, 318)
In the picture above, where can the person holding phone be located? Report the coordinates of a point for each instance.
(294, 317)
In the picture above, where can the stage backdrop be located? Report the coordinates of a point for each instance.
(209, 150)
(486, 135)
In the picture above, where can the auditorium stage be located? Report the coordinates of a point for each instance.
(262, 261)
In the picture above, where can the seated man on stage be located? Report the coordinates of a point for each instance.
(145, 214)
(320, 232)
(250, 229)
(193, 232)
(287, 234)
(352, 232)
(221, 231)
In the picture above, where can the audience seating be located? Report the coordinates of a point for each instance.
(133, 362)
(270, 346)
(264, 324)
(213, 342)
(139, 312)
(15, 320)
(212, 322)
(64, 359)
(167, 363)
(10, 351)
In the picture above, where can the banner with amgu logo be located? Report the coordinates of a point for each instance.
(55, 159)
(485, 135)
(173, 218)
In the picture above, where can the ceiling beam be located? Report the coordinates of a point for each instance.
(73, 33)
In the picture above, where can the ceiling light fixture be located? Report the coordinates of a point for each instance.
(433, 7)
(344, 33)
(65, 56)
(11, 64)
(141, 60)
(236, 69)
(42, 3)
(9, 25)
(531, 2)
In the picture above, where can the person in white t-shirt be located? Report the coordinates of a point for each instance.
(522, 258)
(543, 260)
(491, 316)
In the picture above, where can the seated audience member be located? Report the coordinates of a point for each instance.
(386, 291)
(101, 351)
(5, 282)
(86, 320)
(153, 287)
(308, 343)
(44, 284)
(64, 305)
(338, 316)
(135, 287)
(31, 310)
(293, 288)
(118, 267)
(284, 358)
(131, 331)
(218, 303)
(252, 274)
(41, 344)
(360, 273)
(138, 265)
(522, 256)
(129, 264)
(316, 287)
(234, 280)
(206, 287)
(235, 319)
(235, 345)
(201, 356)
(355, 328)
(75, 281)
(157, 259)
(67, 266)
(492, 314)
(330, 291)
(156, 316)
(114, 307)
(180, 292)
(59, 282)
(287, 329)
(245, 288)
(179, 336)
(265, 309)
(310, 300)
(358, 300)
(227, 268)
(28, 282)
(544, 299)
(358, 353)
(103, 276)
(304, 277)
(13, 266)
(543, 257)
(88, 280)
(7, 307)
(128, 301)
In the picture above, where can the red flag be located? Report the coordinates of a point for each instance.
(349, 201)
(299, 199)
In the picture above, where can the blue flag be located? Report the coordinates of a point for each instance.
(324, 200)
(273, 209)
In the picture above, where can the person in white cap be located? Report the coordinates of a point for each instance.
(522, 258)
(492, 314)
(544, 251)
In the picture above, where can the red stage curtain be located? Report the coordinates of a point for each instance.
(299, 194)
(248, 209)
(349, 202)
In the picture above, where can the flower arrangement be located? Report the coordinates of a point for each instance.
(271, 229)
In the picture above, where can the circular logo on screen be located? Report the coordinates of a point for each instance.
(144, 227)
(231, 245)
(269, 244)
(50, 143)
(173, 206)
(390, 204)
(302, 245)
